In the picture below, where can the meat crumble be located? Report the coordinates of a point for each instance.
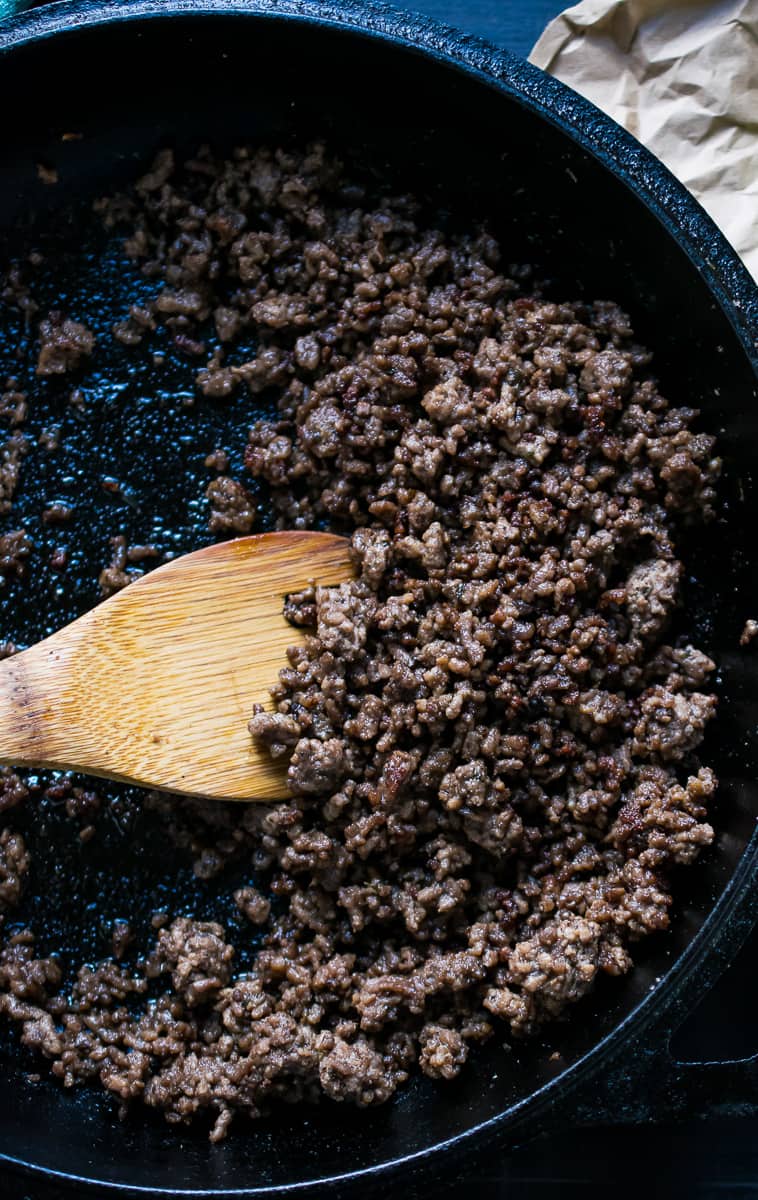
(63, 344)
(491, 743)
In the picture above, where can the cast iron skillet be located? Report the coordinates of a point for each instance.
(480, 133)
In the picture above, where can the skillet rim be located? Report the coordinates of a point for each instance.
(728, 281)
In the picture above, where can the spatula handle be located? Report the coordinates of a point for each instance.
(30, 732)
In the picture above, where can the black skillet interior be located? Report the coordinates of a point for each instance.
(472, 150)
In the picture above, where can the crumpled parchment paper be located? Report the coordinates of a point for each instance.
(682, 76)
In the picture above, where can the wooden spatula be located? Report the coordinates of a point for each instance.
(155, 686)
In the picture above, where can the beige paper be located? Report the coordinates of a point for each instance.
(682, 76)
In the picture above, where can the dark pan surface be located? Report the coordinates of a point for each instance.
(472, 150)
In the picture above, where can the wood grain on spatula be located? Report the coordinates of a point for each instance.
(156, 685)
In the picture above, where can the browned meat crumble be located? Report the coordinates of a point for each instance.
(749, 632)
(121, 570)
(14, 863)
(11, 456)
(490, 740)
(232, 509)
(63, 344)
(13, 404)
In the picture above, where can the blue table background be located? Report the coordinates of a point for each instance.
(514, 24)
(700, 1160)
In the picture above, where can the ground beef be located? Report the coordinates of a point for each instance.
(121, 938)
(14, 863)
(217, 460)
(11, 456)
(63, 345)
(121, 570)
(13, 790)
(15, 548)
(57, 514)
(115, 576)
(81, 804)
(197, 957)
(490, 740)
(253, 905)
(13, 403)
(232, 509)
(442, 1051)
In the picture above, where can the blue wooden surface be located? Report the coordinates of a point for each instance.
(514, 24)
